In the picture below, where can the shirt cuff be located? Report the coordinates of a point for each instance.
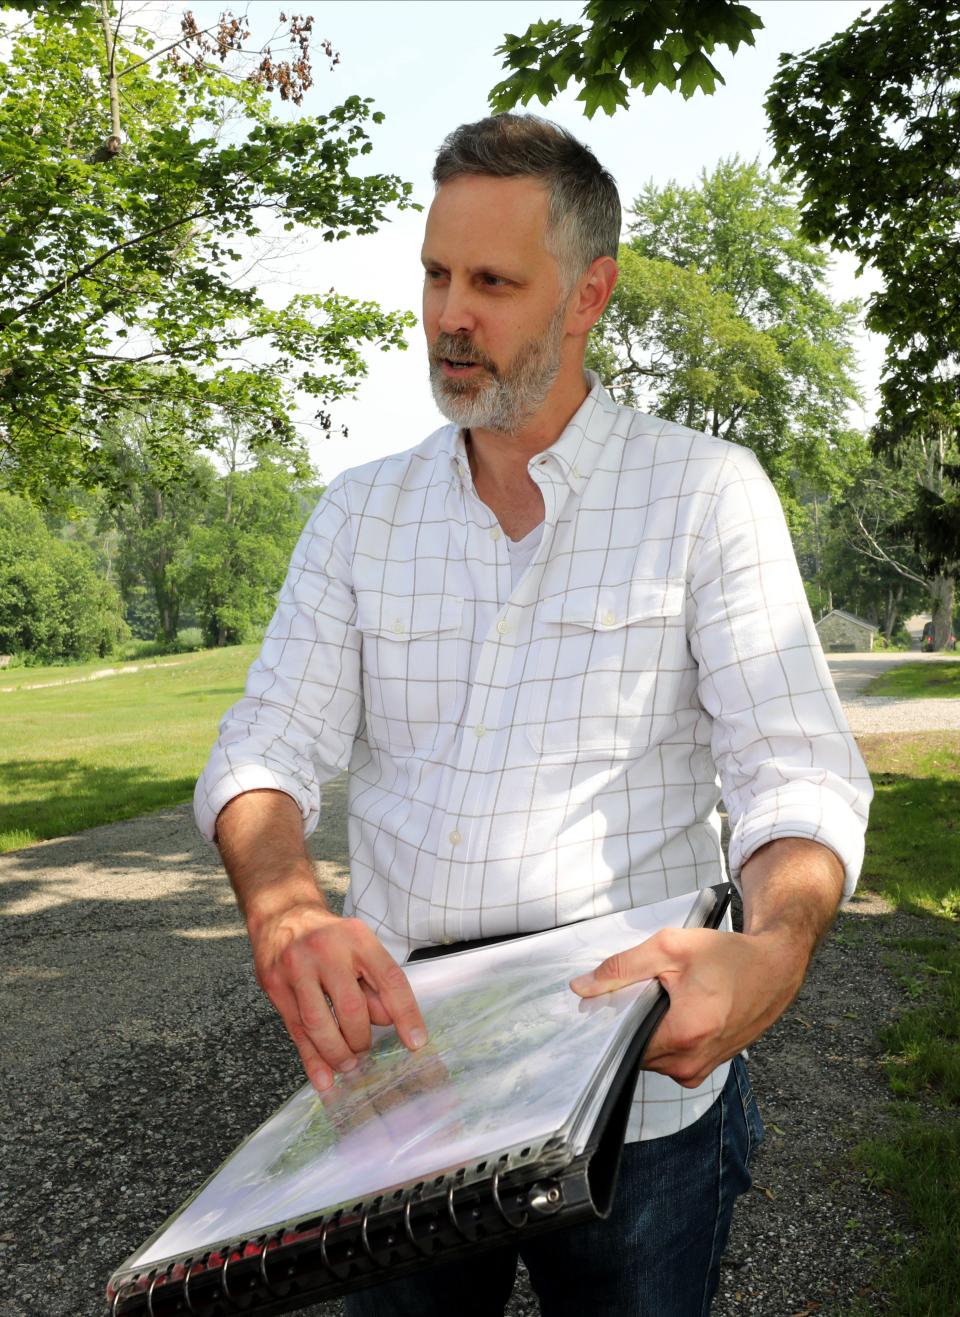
(801, 810)
(210, 797)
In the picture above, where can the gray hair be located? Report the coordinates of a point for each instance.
(583, 219)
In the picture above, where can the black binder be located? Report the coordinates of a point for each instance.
(390, 1235)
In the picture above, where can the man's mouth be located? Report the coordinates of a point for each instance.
(458, 366)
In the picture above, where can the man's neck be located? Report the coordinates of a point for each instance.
(498, 462)
(500, 458)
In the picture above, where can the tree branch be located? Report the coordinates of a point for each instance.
(157, 53)
(62, 284)
(880, 554)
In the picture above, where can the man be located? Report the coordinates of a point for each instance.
(535, 640)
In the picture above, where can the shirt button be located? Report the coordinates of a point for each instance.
(455, 838)
(502, 627)
(494, 532)
(398, 627)
(479, 730)
(609, 618)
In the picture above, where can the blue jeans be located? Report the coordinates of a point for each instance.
(656, 1255)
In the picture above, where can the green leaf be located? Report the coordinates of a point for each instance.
(696, 72)
(603, 92)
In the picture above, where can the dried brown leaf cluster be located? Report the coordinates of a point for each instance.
(290, 77)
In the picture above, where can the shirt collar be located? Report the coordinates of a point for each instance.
(575, 452)
(459, 460)
(581, 442)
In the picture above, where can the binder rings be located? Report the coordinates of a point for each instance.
(401, 1165)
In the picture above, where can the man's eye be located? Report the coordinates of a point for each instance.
(494, 281)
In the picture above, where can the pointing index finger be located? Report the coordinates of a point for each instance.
(388, 981)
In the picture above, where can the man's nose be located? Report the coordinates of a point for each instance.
(456, 314)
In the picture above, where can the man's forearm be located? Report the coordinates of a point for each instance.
(791, 891)
(329, 978)
(260, 837)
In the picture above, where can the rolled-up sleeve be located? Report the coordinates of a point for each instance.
(294, 728)
(788, 764)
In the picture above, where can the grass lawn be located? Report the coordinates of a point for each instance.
(913, 858)
(96, 751)
(918, 681)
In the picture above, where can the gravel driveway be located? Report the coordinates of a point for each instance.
(136, 1051)
(883, 713)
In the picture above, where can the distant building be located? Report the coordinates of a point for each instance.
(841, 632)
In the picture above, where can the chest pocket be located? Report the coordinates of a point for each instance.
(411, 659)
(607, 669)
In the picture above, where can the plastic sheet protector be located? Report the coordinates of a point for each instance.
(514, 1057)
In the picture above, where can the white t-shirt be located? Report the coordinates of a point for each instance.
(521, 553)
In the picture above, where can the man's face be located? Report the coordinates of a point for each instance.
(493, 306)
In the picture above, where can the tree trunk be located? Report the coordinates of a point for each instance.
(894, 600)
(942, 589)
(113, 143)
(168, 624)
(166, 594)
(168, 607)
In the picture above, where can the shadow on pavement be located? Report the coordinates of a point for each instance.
(136, 1049)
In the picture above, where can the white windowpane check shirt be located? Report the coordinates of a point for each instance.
(522, 756)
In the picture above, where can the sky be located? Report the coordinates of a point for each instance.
(429, 65)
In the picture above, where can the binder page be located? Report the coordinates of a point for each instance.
(512, 1054)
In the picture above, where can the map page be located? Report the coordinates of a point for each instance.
(513, 1055)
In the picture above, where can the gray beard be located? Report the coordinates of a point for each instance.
(502, 401)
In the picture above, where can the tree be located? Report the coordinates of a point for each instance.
(917, 442)
(206, 537)
(648, 44)
(721, 320)
(918, 432)
(53, 603)
(159, 490)
(868, 125)
(232, 567)
(849, 550)
(135, 180)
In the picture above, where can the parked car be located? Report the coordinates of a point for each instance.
(926, 640)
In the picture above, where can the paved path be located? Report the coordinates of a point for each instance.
(852, 672)
(135, 1048)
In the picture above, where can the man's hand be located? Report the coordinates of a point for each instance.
(329, 978)
(727, 988)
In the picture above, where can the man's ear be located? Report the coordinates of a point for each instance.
(592, 293)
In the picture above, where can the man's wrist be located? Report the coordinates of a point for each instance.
(788, 952)
(282, 892)
(260, 837)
